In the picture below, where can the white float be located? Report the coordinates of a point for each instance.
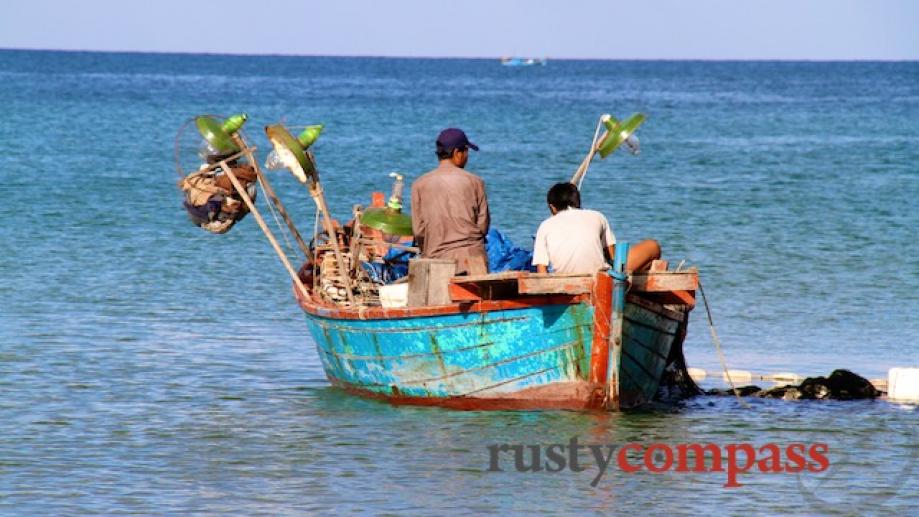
(738, 376)
(786, 377)
(903, 384)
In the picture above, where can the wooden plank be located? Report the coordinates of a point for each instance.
(492, 277)
(645, 354)
(549, 284)
(465, 292)
(657, 308)
(320, 309)
(428, 282)
(665, 281)
(672, 297)
(658, 265)
(495, 286)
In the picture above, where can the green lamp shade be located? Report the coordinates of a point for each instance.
(618, 132)
(220, 135)
(388, 221)
(291, 152)
(309, 135)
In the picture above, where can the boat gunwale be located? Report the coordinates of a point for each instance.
(314, 308)
(321, 310)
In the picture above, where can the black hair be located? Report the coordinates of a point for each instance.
(447, 153)
(563, 196)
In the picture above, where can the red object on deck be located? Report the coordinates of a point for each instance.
(377, 200)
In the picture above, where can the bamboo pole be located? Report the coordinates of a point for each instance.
(357, 244)
(263, 179)
(317, 195)
(215, 165)
(594, 145)
(265, 229)
(376, 242)
(582, 169)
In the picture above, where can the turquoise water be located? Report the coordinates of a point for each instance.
(148, 367)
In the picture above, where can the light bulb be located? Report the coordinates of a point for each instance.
(633, 145)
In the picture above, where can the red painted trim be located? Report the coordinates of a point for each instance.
(319, 308)
(464, 293)
(599, 348)
(592, 401)
(312, 306)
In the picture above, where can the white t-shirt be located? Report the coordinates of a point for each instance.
(572, 241)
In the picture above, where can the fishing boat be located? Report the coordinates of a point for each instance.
(513, 341)
(504, 340)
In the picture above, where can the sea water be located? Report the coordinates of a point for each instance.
(149, 367)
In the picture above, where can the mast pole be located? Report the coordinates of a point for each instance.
(620, 285)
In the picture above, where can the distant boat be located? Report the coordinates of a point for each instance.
(522, 61)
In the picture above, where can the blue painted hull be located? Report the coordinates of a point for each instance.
(457, 355)
(528, 357)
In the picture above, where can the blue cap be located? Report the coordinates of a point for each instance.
(453, 138)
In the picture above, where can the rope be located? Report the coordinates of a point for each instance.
(194, 181)
(316, 226)
(283, 230)
(622, 276)
(724, 366)
(315, 243)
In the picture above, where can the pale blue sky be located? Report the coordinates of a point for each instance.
(639, 29)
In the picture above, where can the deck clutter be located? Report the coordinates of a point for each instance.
(210, 198)
(389, 324)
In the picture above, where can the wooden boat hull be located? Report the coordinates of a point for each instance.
(537, 354)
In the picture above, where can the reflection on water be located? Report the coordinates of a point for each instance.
(148, 367)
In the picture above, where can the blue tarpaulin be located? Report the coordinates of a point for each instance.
(502, 256)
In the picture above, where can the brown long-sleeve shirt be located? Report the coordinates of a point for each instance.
(450, 213)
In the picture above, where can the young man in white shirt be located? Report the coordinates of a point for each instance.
(580, 241)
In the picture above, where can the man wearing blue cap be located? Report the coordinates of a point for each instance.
(449, 208)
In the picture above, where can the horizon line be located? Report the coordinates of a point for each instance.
(382, 56)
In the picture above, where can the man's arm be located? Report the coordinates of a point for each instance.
(483, 219)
